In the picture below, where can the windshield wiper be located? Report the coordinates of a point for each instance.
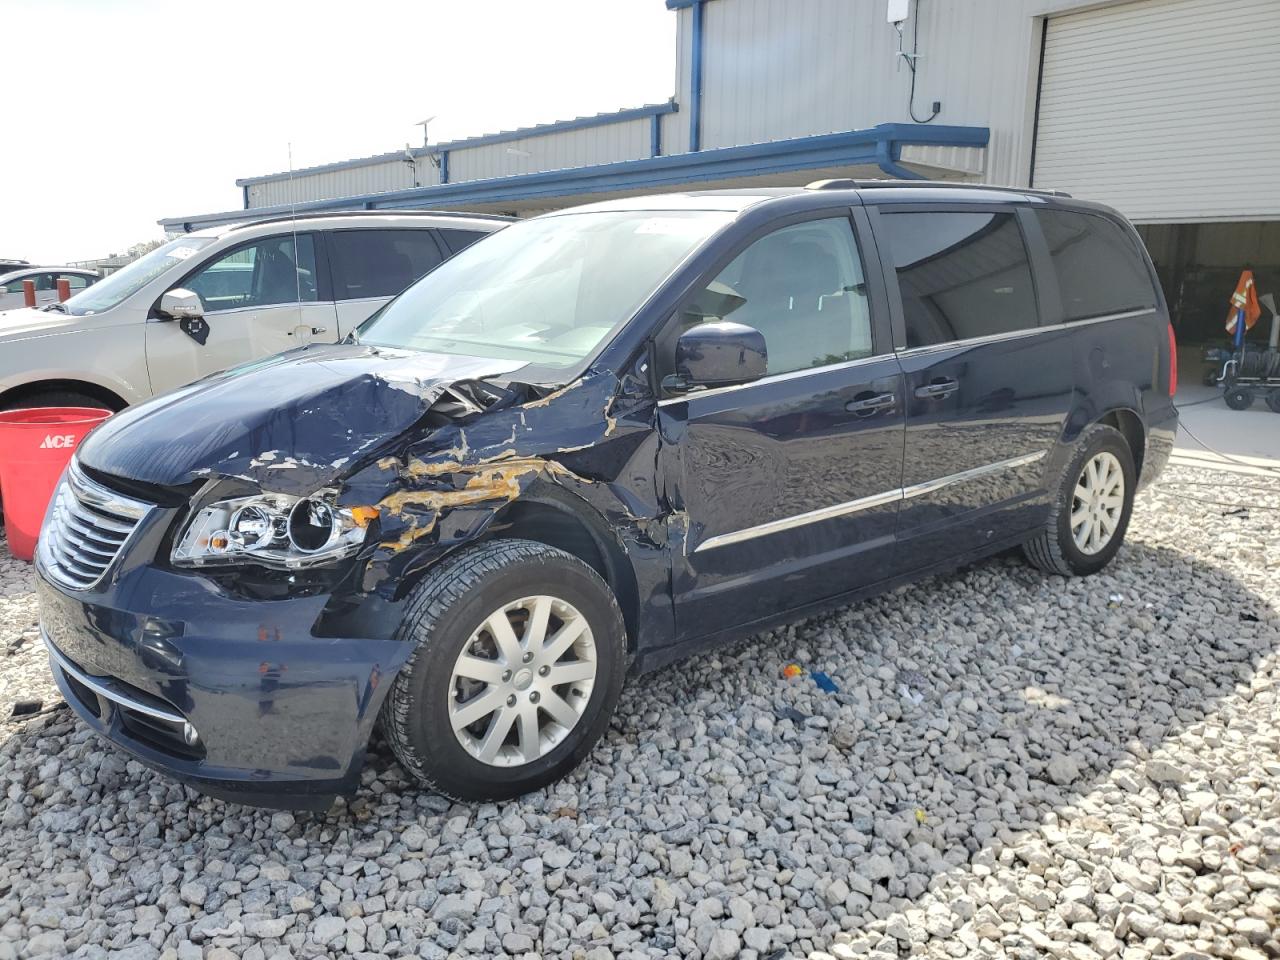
(55, 306)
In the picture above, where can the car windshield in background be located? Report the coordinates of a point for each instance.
(109, 291)
(545, 291)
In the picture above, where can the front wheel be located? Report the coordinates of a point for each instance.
(1092, 507)
(1238, 398)
(1273, 400)
(518, 662)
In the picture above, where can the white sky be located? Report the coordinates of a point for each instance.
(141, 110)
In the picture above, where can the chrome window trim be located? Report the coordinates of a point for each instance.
(866, 503)
(912, 352)
(106, 688)
(1020, 334)
(774, 378)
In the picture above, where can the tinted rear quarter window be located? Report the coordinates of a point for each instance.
(379, 263)
(1099, 267)
(457, 240)
(961, 275)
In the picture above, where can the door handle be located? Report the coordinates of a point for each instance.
(937, 388)
(314, 330)
(867, 404)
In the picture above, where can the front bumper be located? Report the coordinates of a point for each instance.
(236, 697)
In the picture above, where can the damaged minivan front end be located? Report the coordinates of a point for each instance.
(224, 571)
(265, 575)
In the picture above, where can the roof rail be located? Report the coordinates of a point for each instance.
(322, 214)
(848, 183)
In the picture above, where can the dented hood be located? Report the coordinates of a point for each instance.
(291, 423)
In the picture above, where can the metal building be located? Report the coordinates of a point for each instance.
(1165, 109)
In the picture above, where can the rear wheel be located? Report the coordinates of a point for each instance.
(1238, 398)
(1092, 507)
(519, 658)
(1273, 400)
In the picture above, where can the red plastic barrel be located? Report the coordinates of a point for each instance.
(35, 445)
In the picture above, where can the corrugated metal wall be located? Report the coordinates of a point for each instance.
(1138, 95)
(675, 126)
(552, 151)
(374, 178)
(775, 70)
(1166, 109)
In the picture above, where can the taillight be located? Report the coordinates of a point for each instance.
(1173, 362)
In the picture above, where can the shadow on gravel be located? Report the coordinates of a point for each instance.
(969, 708)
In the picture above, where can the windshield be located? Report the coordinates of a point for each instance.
(545, 291)
(109, 291)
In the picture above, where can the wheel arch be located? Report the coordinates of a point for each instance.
(1130, 426)
(558, 524)
(15, 395)
(1117, 412)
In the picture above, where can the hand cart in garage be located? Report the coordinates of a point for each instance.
(1249, 372)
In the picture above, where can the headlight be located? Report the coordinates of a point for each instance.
(273, 529)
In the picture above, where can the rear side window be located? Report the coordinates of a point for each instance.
(1099, 267)
(457, 240)
(379, 263)
(962, 275)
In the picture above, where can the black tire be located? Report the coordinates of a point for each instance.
(55, 398)
(1273, 400)
(441, 613)
(1238, 398)
(1054, 549)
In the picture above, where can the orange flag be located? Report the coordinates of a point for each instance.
(1244, 299)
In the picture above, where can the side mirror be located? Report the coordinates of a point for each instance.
(180, 304)
(718, 354)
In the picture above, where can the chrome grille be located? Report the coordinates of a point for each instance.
(86, 527)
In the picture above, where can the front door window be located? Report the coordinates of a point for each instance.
(269, 271)
(802, 287)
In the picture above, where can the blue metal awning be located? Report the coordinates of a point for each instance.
(879, 146)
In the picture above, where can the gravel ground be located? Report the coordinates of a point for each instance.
(1014, 765)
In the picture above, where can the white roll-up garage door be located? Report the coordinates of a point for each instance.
(1168, 110)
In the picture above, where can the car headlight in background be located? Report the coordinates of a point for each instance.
(273, 529)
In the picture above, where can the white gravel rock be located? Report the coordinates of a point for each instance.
(1015, 765)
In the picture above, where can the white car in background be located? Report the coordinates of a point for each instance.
(46, 281)
(218, 297)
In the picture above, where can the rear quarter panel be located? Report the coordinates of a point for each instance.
(1120, 365)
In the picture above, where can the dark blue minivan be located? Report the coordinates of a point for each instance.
(591, 444)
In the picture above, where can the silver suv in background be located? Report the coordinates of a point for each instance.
(215, 298)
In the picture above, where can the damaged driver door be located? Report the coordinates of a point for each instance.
(790, 484)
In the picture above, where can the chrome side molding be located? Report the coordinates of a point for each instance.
(866, 503)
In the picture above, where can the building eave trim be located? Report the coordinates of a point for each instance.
(853, 147)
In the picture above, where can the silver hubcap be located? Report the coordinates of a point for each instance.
(1098, 503)
(522, 681)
